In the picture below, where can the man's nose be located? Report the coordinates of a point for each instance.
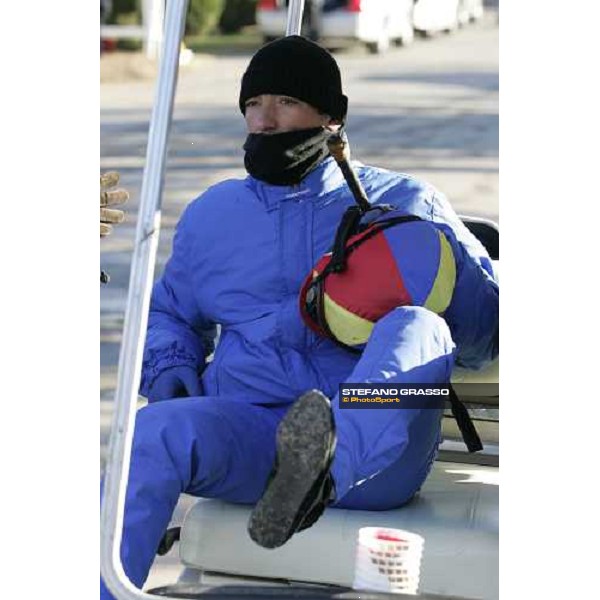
(266, 118)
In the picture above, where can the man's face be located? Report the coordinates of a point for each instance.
(270, 113)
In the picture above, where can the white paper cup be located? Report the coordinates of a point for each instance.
(388, 560)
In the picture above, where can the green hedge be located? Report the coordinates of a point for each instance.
(237, 14)
(124, 7)
(203, 16)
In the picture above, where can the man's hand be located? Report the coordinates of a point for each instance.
(176, 382)
(110, 197)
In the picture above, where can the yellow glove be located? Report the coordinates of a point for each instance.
(110, 197)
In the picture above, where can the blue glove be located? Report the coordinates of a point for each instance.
(175, 382)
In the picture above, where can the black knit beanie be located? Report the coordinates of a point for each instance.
(294, 66)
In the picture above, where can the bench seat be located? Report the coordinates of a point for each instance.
(456, 512)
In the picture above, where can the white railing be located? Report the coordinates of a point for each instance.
(150, 31)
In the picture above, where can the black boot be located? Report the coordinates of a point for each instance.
(300, 486)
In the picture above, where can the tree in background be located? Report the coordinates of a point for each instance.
(237, 14)
(203, 16)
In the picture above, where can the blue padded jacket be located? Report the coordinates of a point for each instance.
(240, 254)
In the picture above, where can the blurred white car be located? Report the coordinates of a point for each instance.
(469, 11)
(376, 23)
(432, 16)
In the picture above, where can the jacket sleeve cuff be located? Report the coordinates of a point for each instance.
(158, 360)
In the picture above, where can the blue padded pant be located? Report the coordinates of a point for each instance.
(223, 447)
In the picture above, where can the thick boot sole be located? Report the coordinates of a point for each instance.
(304, 446)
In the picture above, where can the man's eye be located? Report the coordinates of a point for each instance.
(289, 101)
(251, 103)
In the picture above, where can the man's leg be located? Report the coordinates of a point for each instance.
(213, 447)
(409, 345)
(397, 484)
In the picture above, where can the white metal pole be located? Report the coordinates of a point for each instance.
(136, 314)
(138, 300)
(153, 14)
(294, 17)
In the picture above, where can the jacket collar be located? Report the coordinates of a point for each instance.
(322, 180)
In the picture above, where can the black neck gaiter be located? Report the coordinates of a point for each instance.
(285, 158)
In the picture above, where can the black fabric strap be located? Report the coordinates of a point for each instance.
(374, 228)
(346, 229)
(350, 225)
(465, 423)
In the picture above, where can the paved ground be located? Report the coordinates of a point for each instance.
(430, 109)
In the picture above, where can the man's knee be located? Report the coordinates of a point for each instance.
(155, 423)
(411, 338)
(417, 321)
(414, 325)
(174, 427)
